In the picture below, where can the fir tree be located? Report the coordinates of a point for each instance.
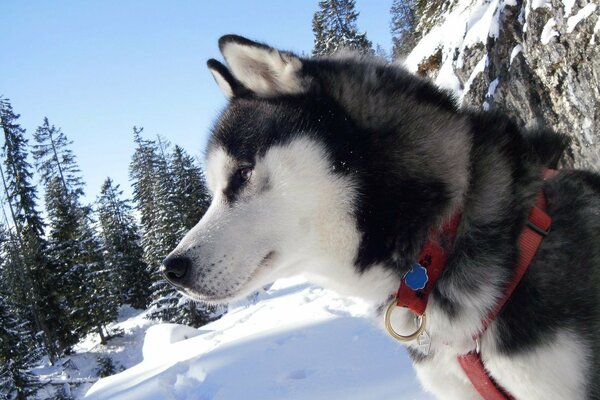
(142, 172)
(151, 192)
(192, 199)
(163, 225)
(403, 27)
(18, 354)
(122, 247)
(102, 301)
(84, 280)
(46, 312)
(13, 283)
(334, 27)
(55, 159)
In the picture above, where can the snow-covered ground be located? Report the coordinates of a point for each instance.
(297, 341)
(78, 372)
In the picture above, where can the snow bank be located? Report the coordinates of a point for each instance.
(158, 336)
(297, 342)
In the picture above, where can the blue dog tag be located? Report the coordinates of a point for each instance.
(416, 278)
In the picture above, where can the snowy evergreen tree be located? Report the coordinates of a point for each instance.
(152, 187)
(122, 247)
(12, 280)
(403, 24)
(163, 224)
(102, 301)
(142, 172)
(192, 198)
(55, 159)
(46, 312)
(18, 354)
(191, 201)
(334, 27)
(84, 280)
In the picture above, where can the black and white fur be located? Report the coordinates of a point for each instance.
(338, 167)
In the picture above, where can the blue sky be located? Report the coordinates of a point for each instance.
(96, 68)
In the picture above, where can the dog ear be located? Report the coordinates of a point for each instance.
(229, 85)
(264, 70)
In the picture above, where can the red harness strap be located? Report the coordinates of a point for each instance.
(538, 226)
(414, 290)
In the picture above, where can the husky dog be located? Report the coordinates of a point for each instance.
(339, 167)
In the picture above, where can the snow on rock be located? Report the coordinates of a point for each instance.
(544, 52)
(548, 32)
(158, 337)
(479, 68)
(568, 6)
(515, 52)
(490, 93)
(541, 3)
(297, 342)
(467, 25)
(581, 15)
(596, 32)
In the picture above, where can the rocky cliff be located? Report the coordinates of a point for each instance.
(537, 60)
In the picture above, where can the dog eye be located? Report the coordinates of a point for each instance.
(245, 174)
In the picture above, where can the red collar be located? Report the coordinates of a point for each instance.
(417, 284)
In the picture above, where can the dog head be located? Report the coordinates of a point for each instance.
(279, 207)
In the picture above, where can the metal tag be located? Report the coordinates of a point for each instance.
(424, 343)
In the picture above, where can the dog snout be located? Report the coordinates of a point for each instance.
(176, 269)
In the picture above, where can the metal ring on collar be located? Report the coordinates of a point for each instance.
(421, 319)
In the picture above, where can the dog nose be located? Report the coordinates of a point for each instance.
(175, 268)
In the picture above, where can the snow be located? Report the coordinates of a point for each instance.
(79, 369)
(447, 79)
(490, 93)
(568, 6)
(541, 3)
(596, 32)
(297, 341)
(515, 51)
(548, 32)
(581, 15)
(483, 22)
(159, 335)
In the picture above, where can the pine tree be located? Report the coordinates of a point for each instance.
(157, 198)
(142, 172)
(13, 283)
(46, 311)
(122, 247)
(19, 351)
(18, 354)
(321, 34)
(102, 301)
(192, 198)
(403, 25)
(191, 201)
(55, 159)
(151, 182)
(84, 280)
(334, 27)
